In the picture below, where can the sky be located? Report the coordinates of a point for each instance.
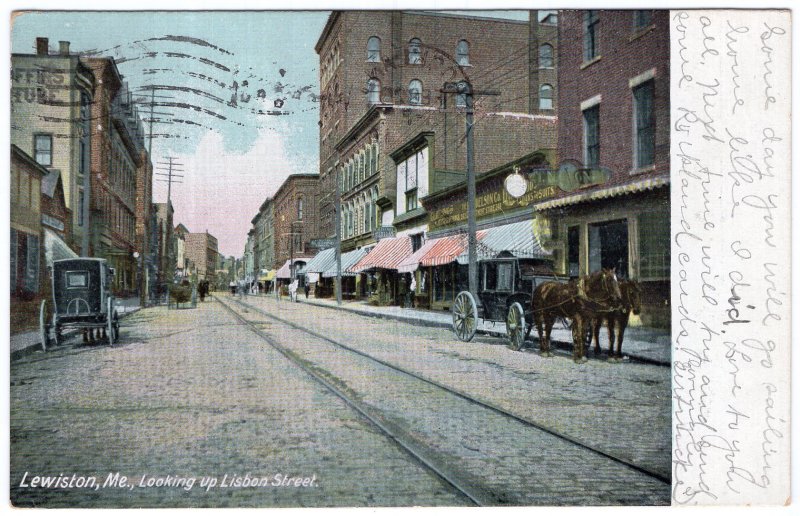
(236, 99)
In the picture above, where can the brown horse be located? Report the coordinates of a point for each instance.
(577, 300)
(617, 319)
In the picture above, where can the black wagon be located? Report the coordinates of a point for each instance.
(505, 290)
(82, 299)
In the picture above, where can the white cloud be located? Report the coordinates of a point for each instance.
(221, 191)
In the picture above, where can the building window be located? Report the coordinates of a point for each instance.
(589, 35)
(375, 213)
(86, 129)
(591, 136)
(573, 251)
(645, 136)
(545, 96)
(461, 96)
(411, 200)
(462, 53)
(373, 91)
(416, 242)
(374, 50)
(375, 157)
(300, 208)
(415, 92)
(654, 245)
(415, 51)
(546, 56)
(80, 208)
(43, 149)
(642, 18)
(548, 17)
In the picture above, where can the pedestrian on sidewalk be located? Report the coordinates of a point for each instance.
(232, 286)
(307, 288)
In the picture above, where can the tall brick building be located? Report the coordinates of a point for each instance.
(382, 76)
(294, 218)
(614, 125)
(51, 98)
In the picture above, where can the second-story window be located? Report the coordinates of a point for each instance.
(644, 142)
(415, 51)
(374, 50)
(373, 91)
(591, 136)
(589, 35)
(462, 53)
(546, 56)
(300, 208)
(415, 92)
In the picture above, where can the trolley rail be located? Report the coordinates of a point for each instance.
(478, 498)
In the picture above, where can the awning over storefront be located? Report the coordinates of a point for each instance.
(55, 248)
(269, 276)
(649, 183)
(387, 254)
(322, 261)
(411, 263)
(348, 260)
(518, 239)
(438, 251)
(285, 271)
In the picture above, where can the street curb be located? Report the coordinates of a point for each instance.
(559, 344)
(37, 347)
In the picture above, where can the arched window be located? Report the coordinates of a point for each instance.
(349, 175)
(374, 50)
(300, 208)
(360, 167)
(375, 214)
(415, 51)
(545, 96)
(461, 97)
(546, 56)
(373, 91)
(368, 158)
(375, 157)
(415, 92)
(462, 53)
(368, 216)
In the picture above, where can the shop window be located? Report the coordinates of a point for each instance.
(654, 245)
(608, 246)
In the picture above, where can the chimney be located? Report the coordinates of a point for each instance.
(41, 47)
(63, 48)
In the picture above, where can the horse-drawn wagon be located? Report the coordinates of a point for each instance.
(82, 299)
(506, 286)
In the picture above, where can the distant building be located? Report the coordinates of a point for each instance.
(167, 253)
(201, 250)
(181, 260)
(294, 218)
(27, 248)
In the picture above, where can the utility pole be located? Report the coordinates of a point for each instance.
(465, 89)
(337, 208)
(172, 166)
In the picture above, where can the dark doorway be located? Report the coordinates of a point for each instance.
(608, 246)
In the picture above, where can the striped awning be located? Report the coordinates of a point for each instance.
(387, 254)
(322, 261)
(348, 260)
(649, 183)
(411, 263)
(448, 249)
(518, 238)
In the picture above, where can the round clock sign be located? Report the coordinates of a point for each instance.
(516, 185)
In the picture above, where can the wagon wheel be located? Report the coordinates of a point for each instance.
(112, 325)
(465, 316)
(44, 326)
(515, 326)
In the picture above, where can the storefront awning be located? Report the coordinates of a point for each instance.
(518, 239)
(649, 183)
(55, 248)
(285, 271)
(411, 263)
(269, 276)
(348, 260)
(387, 254)
(449, 249)
(322, 261)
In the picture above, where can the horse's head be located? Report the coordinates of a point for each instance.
(632, 295)
(610, 284)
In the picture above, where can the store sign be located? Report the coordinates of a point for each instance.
(488, 204)
(52, 222)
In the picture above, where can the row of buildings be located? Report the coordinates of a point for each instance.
(571, 153)
(82, 178)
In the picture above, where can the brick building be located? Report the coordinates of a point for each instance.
(117, 153)
(614, 126)
(27, 248)
(384, 113)
(294, 218)
(201, 250)
(51, 98)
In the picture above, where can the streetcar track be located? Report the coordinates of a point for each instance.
(477, 496)
(462, 395)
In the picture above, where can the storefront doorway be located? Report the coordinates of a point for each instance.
(608, 246)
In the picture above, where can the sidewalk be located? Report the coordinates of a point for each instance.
(649, 345)
(22, 344)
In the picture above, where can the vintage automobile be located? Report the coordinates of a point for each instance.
(505, 291)
(82, 299)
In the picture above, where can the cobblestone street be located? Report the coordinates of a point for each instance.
(193, 394)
